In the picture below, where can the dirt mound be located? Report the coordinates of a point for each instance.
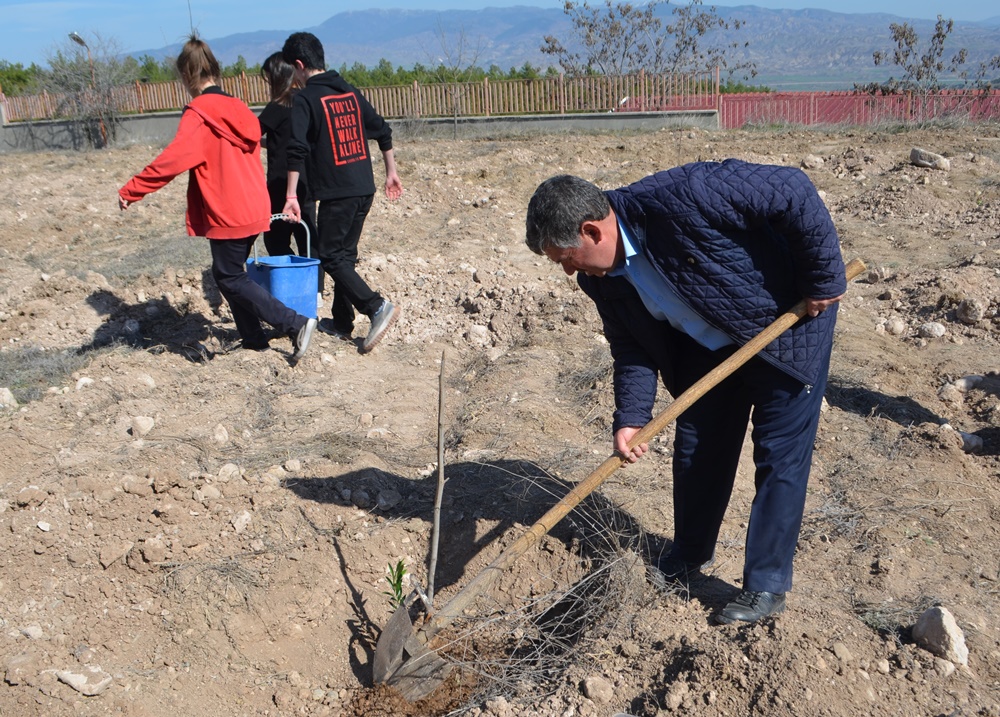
(197, 529)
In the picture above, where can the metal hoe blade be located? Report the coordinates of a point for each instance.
(399, 647)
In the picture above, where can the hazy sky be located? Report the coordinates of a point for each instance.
(31, 31)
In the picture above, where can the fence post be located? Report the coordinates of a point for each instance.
(416, 99)
(486, 96)
(562, 93)
(717, 91)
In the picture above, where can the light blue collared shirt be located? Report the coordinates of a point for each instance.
(661, 300)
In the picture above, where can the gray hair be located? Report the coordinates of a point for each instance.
(558, 208)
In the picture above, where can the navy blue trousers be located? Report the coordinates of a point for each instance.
(707, 446)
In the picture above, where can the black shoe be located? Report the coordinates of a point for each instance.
(328, 327)
(300, 341)
(381, 321)
(255, 345)
(671, 573)
(750, 606)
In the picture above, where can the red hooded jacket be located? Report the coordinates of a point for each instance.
(218, 144)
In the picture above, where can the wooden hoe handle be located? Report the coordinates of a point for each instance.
(479, 584)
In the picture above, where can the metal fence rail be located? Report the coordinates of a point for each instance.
(850, 108)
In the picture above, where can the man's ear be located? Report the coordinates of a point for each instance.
(592, 230)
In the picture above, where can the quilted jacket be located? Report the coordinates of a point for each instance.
(740, 243)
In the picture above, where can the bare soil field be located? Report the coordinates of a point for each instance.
(193, 529)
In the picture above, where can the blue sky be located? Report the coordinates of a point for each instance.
(31, 31)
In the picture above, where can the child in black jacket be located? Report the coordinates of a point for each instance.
(331, 125)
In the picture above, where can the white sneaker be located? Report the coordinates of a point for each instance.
(301, 341)
(384, 318)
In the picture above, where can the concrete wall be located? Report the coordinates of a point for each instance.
(159, 129)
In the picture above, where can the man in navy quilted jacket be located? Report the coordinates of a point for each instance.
(685, 266)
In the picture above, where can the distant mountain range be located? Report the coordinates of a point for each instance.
(792, 49)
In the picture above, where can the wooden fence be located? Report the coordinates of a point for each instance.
(488, 98)
(565, 95)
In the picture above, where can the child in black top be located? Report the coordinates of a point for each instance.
(331, 125)
(276, 128)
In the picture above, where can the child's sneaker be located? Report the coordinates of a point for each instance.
(300, 341)
(328, 327)
(381, 321)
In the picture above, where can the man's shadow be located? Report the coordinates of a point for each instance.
(502, 494)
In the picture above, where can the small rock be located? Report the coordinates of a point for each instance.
(21, 668)
(293, 465)
(388, 499)
(112, 553)
(478, 335)
(951, 393)
(895, 326)
(7, 399)
(811, 161)
(971, 443)
(843, 654)
(967, 383)
(362, 499)
(923, 158)
(31, 497)
(676, 695)
(83, 382)
(153, 550)
(33, 632)
(207, 493)
(141, 425)
(228, 472)
(241, 522)
(598, 689)
(91, 681)
(932, 330)
(220, 435)
(944, 668)
(970, 311)
(141, 487)
(937, 632)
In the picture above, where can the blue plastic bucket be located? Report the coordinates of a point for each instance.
(291, 279)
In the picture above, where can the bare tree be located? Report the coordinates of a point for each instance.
(619, 38)
(83, 75)
(454, 65)
(926, 69)
(922, 67)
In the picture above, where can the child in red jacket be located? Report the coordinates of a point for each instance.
(218, 144)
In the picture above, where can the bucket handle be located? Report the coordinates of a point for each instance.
(287, 218)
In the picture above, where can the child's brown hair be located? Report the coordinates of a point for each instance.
(196, 64)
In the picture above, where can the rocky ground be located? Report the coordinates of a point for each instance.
(194, 529)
